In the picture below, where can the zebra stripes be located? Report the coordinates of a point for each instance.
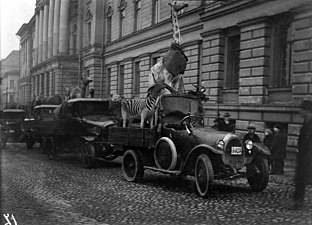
(145, 107)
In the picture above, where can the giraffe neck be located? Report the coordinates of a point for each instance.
(175, 28)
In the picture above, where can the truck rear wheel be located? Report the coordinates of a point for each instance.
(51, 149)
(204, 175)
(132, 166)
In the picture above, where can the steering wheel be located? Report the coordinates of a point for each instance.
(189, 119)
(199, 88)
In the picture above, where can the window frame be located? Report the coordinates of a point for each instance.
(121, 78)
(231, 82)
(136, 77)
(281, 56)
(137, 15)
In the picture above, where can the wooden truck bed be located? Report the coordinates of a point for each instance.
(136, 137)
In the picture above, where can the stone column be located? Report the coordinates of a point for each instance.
(40, 35)
(56, 26)
(64, 27)
(45, 31)
(50, 29)
(36, 42)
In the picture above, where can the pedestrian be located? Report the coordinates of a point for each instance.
(278, 150)
(304, 157)
(251, 135)
(268, 141)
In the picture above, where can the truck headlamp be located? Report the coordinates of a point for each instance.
(220, 144)
(249, 145)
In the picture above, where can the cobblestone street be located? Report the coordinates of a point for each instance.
(37, 190)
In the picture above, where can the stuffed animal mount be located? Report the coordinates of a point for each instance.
(79, 91)
(145, 109)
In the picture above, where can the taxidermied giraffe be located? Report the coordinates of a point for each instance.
(176, 6)
(159, 73)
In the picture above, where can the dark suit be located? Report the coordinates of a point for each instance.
(278, 153)
(304, 161)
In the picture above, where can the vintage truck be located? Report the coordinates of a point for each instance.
(77, 123)
(180, 145)
(39, 126)
(11, 122)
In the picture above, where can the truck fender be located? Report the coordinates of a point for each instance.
(197, 150)
(261, 148)
(173, 152)
(88, 138)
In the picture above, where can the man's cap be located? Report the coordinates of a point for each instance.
(278, 126)
(227, 114)
(251, 126)
(306, 104)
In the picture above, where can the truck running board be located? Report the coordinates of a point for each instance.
(173, 172)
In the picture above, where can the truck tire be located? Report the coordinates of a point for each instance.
(259, 175)
(29, 141)
(204, 175)
(51, 149)
(132, 166)
(88, 154)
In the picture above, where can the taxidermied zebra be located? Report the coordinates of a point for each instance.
(143, 107)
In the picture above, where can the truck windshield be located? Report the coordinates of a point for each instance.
(93, 108)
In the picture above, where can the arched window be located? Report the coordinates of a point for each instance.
(137, 15)
(88, 25)
(122, 9)
(109, 23)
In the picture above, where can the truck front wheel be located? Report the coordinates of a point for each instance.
(258, 174)
(132, 166)
(204, 175)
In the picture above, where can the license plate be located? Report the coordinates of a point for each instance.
(11, 131)
(236, 150)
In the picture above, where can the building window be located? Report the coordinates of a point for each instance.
(38, 84)
(42, 84)
(121, 78)
(109, 23)
(122, 8)
(281, 49)
(11, 84)
(53, 83)
(136, 78)
(155, 11)
(122, 23)
(74, 42)
(47, 83)
(155, 59)
(89, 26)
(11, 100)
(232, 59)
(108, 81)
(137, 16)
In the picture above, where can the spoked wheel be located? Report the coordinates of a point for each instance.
(258, 171)
(87, 152)
(203, 175)
(132, 166)
(51, 149)
(29, 142)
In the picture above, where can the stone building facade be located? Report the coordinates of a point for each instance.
(9, 74)
(253, 57)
